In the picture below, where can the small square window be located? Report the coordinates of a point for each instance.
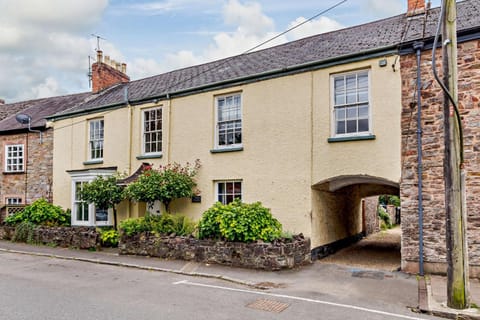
(14, 158)
(227, 191)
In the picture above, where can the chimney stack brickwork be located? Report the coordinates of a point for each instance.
(415, 7)
(107, 72)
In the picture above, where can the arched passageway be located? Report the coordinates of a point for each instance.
(338, 216)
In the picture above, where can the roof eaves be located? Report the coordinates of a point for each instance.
(77, 113)
(275, 73)
(462, 36)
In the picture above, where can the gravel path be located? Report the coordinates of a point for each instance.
(380, 251)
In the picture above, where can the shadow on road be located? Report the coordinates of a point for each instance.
(380, 251)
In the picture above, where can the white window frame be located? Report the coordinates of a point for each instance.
(14, 163)
(346, 105)
(83, 177)
(97, 136)
(235, 121)
(13, 201)
(145, 150)
(225, 193)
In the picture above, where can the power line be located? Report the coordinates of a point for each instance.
(257, 46)
(230, 58)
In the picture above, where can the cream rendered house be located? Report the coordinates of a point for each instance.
(308, 128)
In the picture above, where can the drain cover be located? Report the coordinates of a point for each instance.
(268, 305)
(368, 274)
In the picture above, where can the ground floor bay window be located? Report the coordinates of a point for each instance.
(83, 213)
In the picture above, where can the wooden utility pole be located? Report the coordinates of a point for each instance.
(457, 256)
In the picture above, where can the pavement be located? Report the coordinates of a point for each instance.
(431, 289)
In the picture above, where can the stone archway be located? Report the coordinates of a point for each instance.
(337, 219)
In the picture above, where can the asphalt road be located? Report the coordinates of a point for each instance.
(35, 287)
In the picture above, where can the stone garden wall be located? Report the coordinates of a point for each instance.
(76, 237)
(281, 254)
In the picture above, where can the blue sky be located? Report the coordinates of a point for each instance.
(44, 45)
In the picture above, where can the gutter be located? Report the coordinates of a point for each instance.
(462, 36)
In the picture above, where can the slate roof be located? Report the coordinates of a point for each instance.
(382, 35)
(38, 109)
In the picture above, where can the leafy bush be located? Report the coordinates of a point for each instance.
(163, 224)
(41, 212)
(239, 221)
(388, 199)
(109, 237)
(386, 222)
(165, 184)
(24, 232)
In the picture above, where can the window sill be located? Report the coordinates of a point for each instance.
(88, 162)
(13, 172)
(222, 150)
(150, 156)
(352, 138)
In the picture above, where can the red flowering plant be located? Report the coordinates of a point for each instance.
(165, 184)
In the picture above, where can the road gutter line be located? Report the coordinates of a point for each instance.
(346, 306)
(137, 266)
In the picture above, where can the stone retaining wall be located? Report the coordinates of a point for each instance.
(281, 254)
(77, 237)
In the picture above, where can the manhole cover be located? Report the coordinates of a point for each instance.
(268, 305)
(369, 274)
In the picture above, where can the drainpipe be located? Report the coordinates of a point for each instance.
(418, 46)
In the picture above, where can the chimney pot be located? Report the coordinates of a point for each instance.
(415, 7)
(124, 68)
(99, 56)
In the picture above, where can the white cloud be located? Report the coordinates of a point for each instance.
(384, 8)
(321, 25)
(45, 45)
(154, 8)
(141, 68)
(48, 88)
(252, 27)
(249, 18)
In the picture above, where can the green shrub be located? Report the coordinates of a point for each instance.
(386, 222)
(209, 225)
(24, 232)
(239, 221)
(389, 199)
(133, 226)
(163, 224)
(109, 237)
(182, 225)
(41, 212)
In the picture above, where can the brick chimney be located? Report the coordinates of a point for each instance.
(2, 101)
(106, 73)
(415, 7)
